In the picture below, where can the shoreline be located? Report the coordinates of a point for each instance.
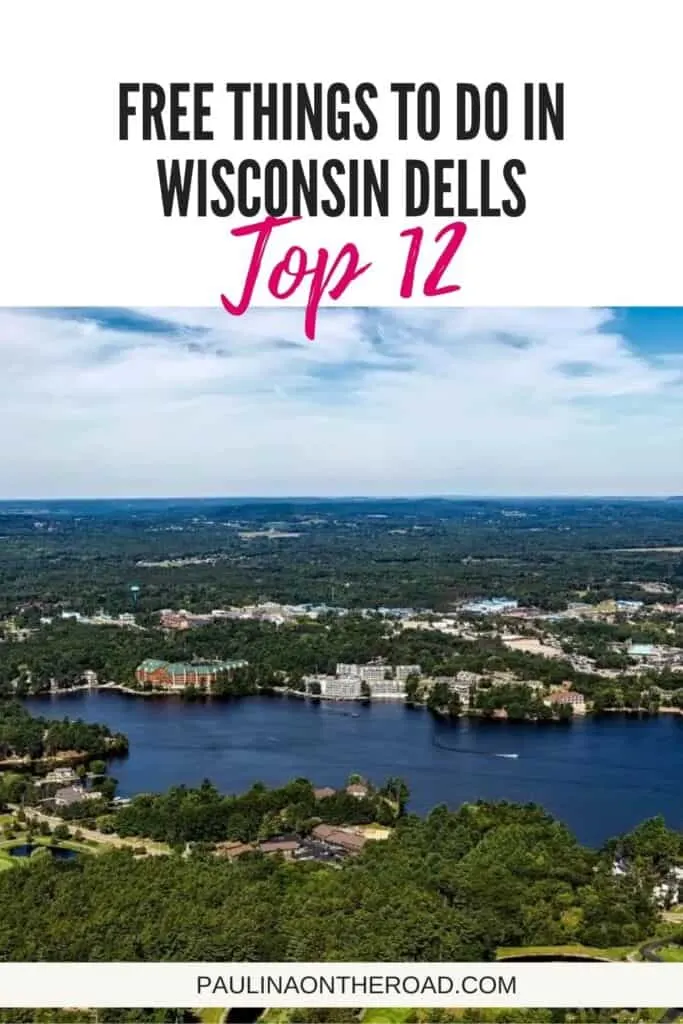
(205, 697)
(68, 760)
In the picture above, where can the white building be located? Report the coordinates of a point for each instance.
(388, 689)
(377, 672)
(668, 893)
(401, 672)
(462, 687)
(368, 673)
(61, 775)
(346, 687)
(373, 674)
(347, 670)
(492, 606)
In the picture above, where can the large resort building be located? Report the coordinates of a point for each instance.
(167, 675)
(383, 682)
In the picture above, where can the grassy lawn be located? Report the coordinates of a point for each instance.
(83, 846)
(389, 1016)
(672, 953)
(210, 1015)
(20, 838)
(398, 1016)
(613, 953)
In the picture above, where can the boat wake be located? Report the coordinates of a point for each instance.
(469, 750)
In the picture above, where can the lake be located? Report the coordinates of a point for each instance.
(601, 776)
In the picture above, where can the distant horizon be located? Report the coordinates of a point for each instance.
(580, 402)
(275, 498)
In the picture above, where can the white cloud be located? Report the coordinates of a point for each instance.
(382, 402)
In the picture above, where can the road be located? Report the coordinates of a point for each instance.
(649, 952)
(108, 839)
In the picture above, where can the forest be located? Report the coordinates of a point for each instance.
(65, 650)
(203, 554)
(23, 735)
(455, 885)
(184, 815)
(39, 1015)
(451, 886)
(60, 654)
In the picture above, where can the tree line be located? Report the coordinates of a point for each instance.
(203, 815)
(23, 735)
(455, 885)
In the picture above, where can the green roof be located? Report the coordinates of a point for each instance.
(180, 668)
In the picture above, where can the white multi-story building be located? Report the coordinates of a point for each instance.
(377, 672)
(372, 674)
(401, 672)
(348, 670)
(387, 689)
(347, 687)
(368, 673)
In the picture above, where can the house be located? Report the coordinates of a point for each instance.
(61, 776)
(358, 790)
(166, 675)
(323, 792)
(576, 700)
(69, 795)
(462, 687)
(667, 893)
(233, 849)
(323, 832)
(286, 847)
(350, 842)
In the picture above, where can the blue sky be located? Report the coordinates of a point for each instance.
(157, 402)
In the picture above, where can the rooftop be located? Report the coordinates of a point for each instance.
(181, 668)
(641, 649)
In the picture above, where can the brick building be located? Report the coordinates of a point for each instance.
(179, 675)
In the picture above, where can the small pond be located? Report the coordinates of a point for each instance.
(26, 849)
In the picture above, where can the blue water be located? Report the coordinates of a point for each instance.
(600, 776)
(58, 852)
